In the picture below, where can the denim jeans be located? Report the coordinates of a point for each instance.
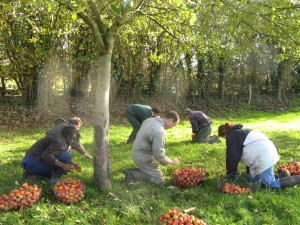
(267, 178)
(39, 167)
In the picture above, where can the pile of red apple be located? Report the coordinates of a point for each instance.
(24, 196)
(174, 216)
(292, 167)
(188, 177)
(69, 190)
(234, 189)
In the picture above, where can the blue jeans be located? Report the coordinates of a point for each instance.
(267, 178)
(39, 167)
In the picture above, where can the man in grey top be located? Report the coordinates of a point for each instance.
(148, 150)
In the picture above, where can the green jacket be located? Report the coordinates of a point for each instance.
(140, 112)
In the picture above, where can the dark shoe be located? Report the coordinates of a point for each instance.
(289, 181)
(213, 139)
(283, 174)
(129, 178)
(35, 178)
(129, 141)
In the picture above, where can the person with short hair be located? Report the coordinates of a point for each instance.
(49, 157)
(148, 149)
(201, 127)
(136, 114)
(257, 152)
(76, 122)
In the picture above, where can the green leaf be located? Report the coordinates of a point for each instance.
(193, 18)
(74, 16)
(127, 4)
(115, 9)
(49, 6)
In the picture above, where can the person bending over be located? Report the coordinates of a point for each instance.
(257, 152)
(136, 114)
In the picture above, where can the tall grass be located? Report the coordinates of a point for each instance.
(143, 202)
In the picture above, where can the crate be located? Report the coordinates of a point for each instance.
(18, 197)
(69, 190)
(240, 180)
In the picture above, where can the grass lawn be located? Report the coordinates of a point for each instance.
(142, 203)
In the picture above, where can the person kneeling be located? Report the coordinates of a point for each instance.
(49, 157)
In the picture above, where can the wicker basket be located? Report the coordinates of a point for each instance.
(240, 180)
(17, 197)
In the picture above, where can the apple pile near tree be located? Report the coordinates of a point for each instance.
(175, 217)
(69, 190)
(234, 189)
(24, 196)
(188, 177)
(292, 167)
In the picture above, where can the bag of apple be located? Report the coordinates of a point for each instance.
(175, 216)
(189, 177)
(22, 196)
(69, 190)
(237, 185)
(292, 167)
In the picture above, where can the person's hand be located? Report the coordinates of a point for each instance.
(193, 136)
(74, 167)
(67, 167)
(175, 161)
(87, 154)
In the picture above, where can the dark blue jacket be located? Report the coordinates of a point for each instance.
(234, 143)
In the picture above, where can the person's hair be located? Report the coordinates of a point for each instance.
(224, 129)
(172, 115)
(69, 131)
(187, 111)
(156, 110)
(75, 120)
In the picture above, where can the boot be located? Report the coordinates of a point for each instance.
(129, 178)
(283, 174)
(134, 175)
(289, 181)
(213, 139)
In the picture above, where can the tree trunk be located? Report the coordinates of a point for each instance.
(102, 175)
(43, 94)
(3, 87)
